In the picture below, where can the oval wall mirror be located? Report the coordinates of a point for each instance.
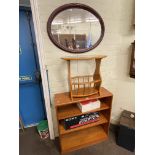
(75, 28)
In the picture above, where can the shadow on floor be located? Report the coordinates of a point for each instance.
(31, 144)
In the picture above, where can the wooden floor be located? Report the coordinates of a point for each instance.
(31, 144)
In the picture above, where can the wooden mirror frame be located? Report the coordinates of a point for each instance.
(70, 6)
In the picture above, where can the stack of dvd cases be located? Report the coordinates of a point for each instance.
(76, 121)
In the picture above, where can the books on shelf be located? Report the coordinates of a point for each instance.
(89, 105)
(77, 121)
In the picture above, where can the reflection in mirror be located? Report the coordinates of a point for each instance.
(76, 28)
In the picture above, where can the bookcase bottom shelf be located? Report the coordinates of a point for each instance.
(82, 138)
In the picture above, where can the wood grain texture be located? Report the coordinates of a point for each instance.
(102, 119)
(84, 92)
(86, 135)
(62, 99)
(82, 86)
(73, 110)
(83, 138)
(85, 57)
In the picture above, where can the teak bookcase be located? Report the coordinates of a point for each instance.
(86, 135)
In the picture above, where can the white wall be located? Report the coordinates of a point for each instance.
(119, 34)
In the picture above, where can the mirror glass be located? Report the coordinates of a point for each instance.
(76, 30)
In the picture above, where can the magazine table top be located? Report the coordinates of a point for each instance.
(62, 99)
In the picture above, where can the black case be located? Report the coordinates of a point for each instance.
(68, 122)
(126, 131)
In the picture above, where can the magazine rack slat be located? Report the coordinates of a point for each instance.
(82, 86)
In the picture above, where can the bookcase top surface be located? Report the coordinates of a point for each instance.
(61, 99)
(85, 57)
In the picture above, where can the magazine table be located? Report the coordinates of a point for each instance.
(86, 85)
(86, 135)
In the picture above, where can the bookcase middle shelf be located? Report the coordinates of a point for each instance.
(102, 119)
(73, 110)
